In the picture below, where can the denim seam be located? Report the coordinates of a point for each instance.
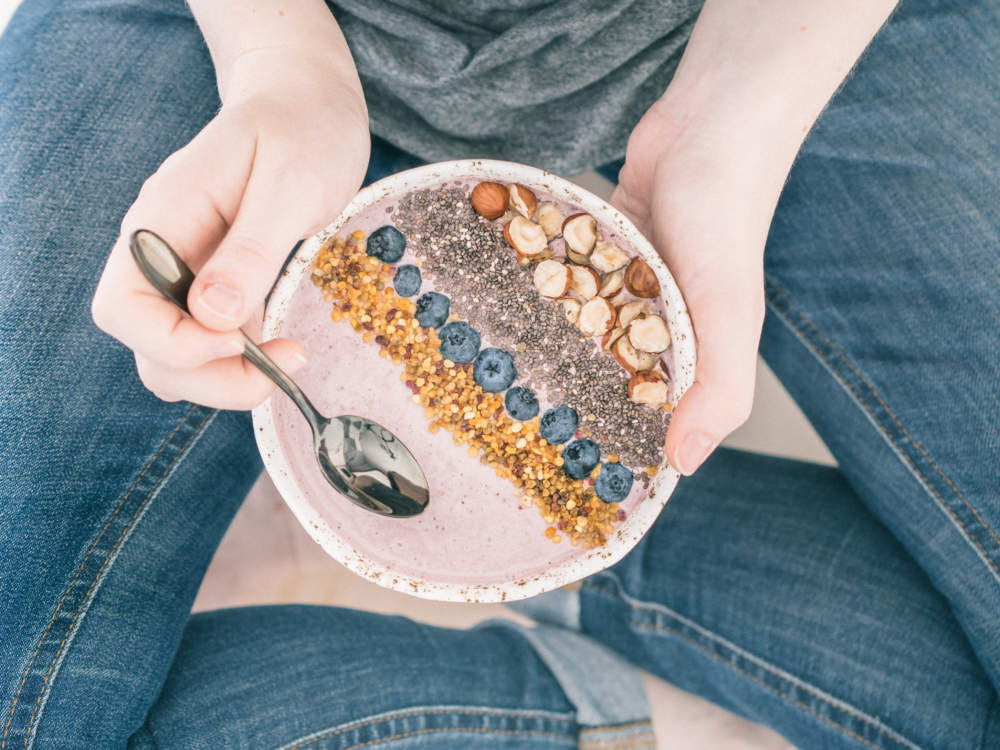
(834, 703)
(29, 730)
(102, 573)
(69, 586)
(620, 727)
(123, 538)
(428, 711)
(635, 735)
(433, 730)
(804, 337)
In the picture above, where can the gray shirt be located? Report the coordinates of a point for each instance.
(558, 84)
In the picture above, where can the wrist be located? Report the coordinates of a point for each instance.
(728, 129)
(256, 46)
(755, 77)
(310, 79)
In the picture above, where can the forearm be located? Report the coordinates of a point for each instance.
(254, 35)
(761, 72)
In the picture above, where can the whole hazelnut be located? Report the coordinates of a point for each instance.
(489, 199)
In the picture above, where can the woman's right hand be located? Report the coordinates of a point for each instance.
(286, 152)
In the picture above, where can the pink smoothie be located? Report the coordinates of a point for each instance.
(477, 529)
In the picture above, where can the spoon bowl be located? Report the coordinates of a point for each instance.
(360, 458)
(370, 465)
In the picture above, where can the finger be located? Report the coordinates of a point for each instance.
(165, 334)
(230, 383)
(727, 320)
(189, 201)
(276, 211)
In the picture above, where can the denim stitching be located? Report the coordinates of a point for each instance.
(69, 586)
(425, 712)
(639, 605)
(619, 727)
(885, 406)
(885, 434)
(461, 710)
(786, 696)
(636, 735)
(779, 673)
(431, 730)
(83, 602)
(111, 556)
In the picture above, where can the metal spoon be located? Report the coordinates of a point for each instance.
(364, 461)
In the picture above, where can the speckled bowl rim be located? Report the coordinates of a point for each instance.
(588, 562)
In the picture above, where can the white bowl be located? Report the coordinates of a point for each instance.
(587, 562)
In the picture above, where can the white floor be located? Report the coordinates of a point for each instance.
(267, 558)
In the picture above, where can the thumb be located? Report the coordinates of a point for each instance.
(234, 281)
(727, 320)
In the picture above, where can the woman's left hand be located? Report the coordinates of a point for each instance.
(706, 207)
(704, 169)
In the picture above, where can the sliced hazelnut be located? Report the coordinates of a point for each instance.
(608, 257)
(625, 354)
(647, 388)
(630, 311)
(522, 200)
(611, 337)
(550, 218)
(552, 278)
(631, 358)
(570, 308)
(612, 283)
(580, 233)
(527, 260)
(525, 236)
(660, 368)
(586, 282)
(640, 279)
(647, 361)
(649, 333)
(620, 299)
(596, 317)
(489, 199)
(580, 260)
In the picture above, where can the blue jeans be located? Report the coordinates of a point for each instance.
(856, 607)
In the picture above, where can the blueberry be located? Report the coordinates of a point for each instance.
(613, 483)
(494, 370)
(459, 341)
(387, 244)
(432, 309)
(407, 280)
(558, 425)
(521, 403)
(580, 458)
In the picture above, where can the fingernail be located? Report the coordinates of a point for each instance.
(693, 451)
(223, 300)
(299, 360)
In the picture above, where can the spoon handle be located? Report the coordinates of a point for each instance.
(267, 366)
(172, 277)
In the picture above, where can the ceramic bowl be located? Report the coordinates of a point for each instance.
(584, 562)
